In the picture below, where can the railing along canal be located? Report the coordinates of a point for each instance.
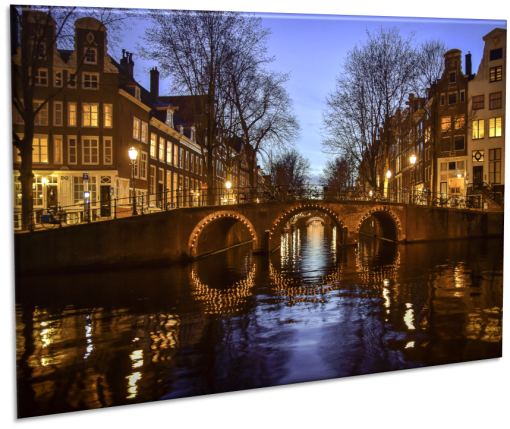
(146, 203)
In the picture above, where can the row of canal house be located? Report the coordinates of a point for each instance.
(456, 132)
(88, 127)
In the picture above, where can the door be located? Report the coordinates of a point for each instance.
(52, 195)
(105, 201)
(477, 177)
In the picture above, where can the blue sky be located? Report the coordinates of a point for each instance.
(313, 47)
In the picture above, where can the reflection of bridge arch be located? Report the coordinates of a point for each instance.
(216, 216)
(390, 223)
(314, 219)
(286, 215)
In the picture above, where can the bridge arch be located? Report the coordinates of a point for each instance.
(283, 218)
(389, 221)
(313, 219)
(217, 216)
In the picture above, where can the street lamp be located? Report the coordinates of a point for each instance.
(459, 175)
(388, 174)
(413, 159)
(133, 154)
(228, 186)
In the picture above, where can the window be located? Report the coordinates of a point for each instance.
(169, 181)
(57, 81)
(39, 50)
(445, 143)
(169, 119)
(478, 102)
(495, 100)
(90, 80)
(452, 98)
(445, 124)
(161, 152)
(145, 131)
(137, 93)
(459, 122)
(181, 151)
(107, 115)
(444, 166)
(161, 175)
(134, 168)
(90, 115)
(459, 142)
(478, 156)
(40, 149)
(143, 165)
(192, 163)
(176, 155)
(460, 165)
(72, 114)
(186, 164)
(79, 188)
(41, 77)
(153, 145)
(494, 165)
(58, 155)
(152, 182)
(168, 152)
(42, 117)
(200, 166)
(37, 192)
(90, 56)
(107, 151)
(58, 118)
(496, 73)
(478, 129)
(72, 150)
(495, 127)
(442, 99)
(90, 149)
(496, 54)
(71, 80)
(452, 77)
(452, 165)
(462, 96)
(136, 128)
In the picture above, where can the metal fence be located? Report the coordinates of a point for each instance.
(114, 208)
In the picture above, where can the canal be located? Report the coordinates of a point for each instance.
(312, 310)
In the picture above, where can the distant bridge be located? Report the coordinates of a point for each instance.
(188, 233)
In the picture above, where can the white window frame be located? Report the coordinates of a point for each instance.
(69, 105)
(96, 138)
(38, 117)
(69, 147)
(153, 145)
(138, 93)
(55, 146)
(144, 130)
(84, 81)
(136, 128)
(55, 110)
(83, 115)
(107, 106)
(169, 152)
(70, 85)
(170, 118)
(55, 84)
(85, 52)
(37, 77)
(35, 154)
(143, 164)
(105, 140)
(161, 149)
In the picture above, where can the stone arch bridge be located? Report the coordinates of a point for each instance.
(188, 233)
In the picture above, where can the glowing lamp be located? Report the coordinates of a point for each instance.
(133, 153)
(228, 184)
(388, 174)
(413, 159)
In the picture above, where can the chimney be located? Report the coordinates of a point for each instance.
(123, 61)
(155, 83)
(131, 64)
(468, 64)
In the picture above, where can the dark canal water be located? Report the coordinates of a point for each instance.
(235, 320)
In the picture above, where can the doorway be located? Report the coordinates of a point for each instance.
(105, 201)
(478, 177)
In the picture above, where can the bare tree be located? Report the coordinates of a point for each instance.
(430, 65)
(339, 173)
(43, 29)
(195, 48)
(288, 168)
(376, 79)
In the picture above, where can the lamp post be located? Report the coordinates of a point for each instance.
(228, 186)
(413, 162)
(388, 175)
(133, 154)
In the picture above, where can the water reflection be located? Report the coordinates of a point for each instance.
(311, 310)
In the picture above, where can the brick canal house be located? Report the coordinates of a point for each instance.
(91, 123)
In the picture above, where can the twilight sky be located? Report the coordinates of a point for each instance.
(312, 48)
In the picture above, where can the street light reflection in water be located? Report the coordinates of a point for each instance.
(310, 310)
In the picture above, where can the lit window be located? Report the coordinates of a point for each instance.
(161, 152)
(168, 152)
(478, 156)
(496, 73)
(58, 155)
(478, 129)
(90, 114)
(136, 128)
(40, 149)
(58, 79)
(459, 122)
(90, 150)
(478, 102)
(495, 127)
(445, 124)
(495, 101)
(108, 150)
(145, 131)
(176, 155)
(90, 80)
(108, 115)
(153, 145)
(72, 114)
